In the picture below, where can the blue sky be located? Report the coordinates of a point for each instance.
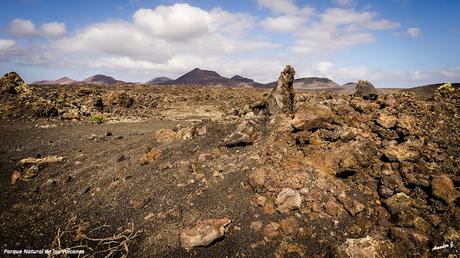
(392, 43)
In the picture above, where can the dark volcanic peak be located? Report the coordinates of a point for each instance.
(198, 76)
(205, 77)
(159, 80)
(100, 79)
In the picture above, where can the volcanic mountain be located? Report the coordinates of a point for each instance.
(198, 76)
(100, 79)
(61, 81)
(205, 77)
(159, 80)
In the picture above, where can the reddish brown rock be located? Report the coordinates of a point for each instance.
(149, 156)
(443, 188)
(290, 226)
(313, 116)
(271, 229)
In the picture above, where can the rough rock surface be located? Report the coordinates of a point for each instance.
(366, 90)
(281, 98)
(288, 200)
(203, 233)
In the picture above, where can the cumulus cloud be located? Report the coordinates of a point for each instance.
(413, 32)
(168, 39)
(26, 28)
(53, 29)
(339, 28)
(284, 23)
(22, 28)
(278, 6)
(8, 49)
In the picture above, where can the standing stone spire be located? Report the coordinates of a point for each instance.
(281, 98)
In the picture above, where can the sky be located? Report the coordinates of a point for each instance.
(392, 43)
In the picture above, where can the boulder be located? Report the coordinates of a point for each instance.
(257, 179)
(313, 116)
(288, 200)
(203, 232)
(242, 136)
(12, 83)
(366, 90)
(443, 188)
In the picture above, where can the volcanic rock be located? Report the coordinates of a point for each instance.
(12, 83)
(257, 179)
(281, 98)
(369, 246)
(366, 90)
(241, 136)
(290, 226)
(443, 188)
(386, 121)
(149, 156)
(288, 200)
(313, 116)
(203, 233)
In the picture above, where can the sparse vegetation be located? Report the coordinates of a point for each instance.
(97, 119)
(445, 88)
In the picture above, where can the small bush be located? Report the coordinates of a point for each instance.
(445, 88)
(97, 119)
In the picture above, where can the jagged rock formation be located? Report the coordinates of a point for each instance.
(281, 99)
(12, 83)
(366, 90)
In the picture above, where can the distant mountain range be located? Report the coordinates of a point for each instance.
(211, 78)
(61, 81)
(99, 79)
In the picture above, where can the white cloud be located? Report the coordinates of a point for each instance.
(279, 6)
(8, 49)
(23, 28)
(284, 23)
(169, 39)
(337, 29)
(6, 44)
(53, 29)
(413, 32)
(26, 28)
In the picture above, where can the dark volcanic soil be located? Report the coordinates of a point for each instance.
(361, 178)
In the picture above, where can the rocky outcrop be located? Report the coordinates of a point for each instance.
(281, 98)
(366, 90)
(12, 83)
